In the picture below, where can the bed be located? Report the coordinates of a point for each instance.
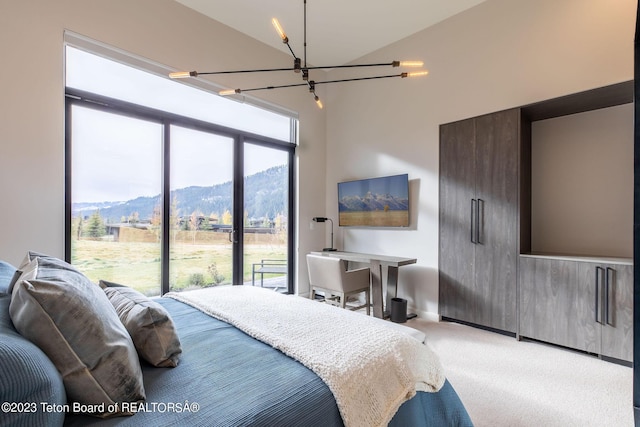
(224, 378)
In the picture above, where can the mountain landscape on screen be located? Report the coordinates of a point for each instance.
(374, 202)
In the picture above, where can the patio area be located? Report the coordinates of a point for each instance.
(278, 283)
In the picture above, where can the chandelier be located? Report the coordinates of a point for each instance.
(300, 67)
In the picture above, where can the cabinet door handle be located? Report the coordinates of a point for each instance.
(473, 209)
(478, 222)
(608, 284)
(598, 275)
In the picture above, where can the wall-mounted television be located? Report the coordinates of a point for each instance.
(374, 202)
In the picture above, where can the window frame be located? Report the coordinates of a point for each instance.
(114, 106)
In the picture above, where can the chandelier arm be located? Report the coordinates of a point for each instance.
(312, 84)
(361, 78)
(320, 67)
(245, 71)
(272, 87)
(265, 70)
(291, 50)
(305, 34)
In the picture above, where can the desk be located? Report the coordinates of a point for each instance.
(376, 262)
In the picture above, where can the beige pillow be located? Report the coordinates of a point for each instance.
(72, 321)
(148, 323)
(31, 255)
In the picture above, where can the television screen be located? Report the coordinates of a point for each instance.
(374, 202)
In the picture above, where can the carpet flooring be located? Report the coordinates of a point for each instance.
(505, 382)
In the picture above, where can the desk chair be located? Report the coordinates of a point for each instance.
(330, 275)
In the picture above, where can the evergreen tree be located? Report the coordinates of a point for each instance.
(95, 226)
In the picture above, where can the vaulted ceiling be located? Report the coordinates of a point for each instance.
(338, 31)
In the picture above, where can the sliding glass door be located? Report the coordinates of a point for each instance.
(266, 216)
(201, 209)
(162, 205)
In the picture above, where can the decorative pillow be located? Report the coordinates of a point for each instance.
(72, 321)
(8, 276)
(28, 378)
(30, 256)
(14, 279)
(148, 323)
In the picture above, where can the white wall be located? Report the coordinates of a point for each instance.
(582, 183)
(32, 103)
(498, 55)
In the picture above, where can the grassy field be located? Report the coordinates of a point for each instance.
(137, 264)
(375, 218)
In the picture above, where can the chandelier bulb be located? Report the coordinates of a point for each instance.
(183, 74)
(280, 31)
(228, 92)
(411, 63)
(415, 74)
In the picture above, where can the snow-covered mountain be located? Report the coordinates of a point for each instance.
(372, 202)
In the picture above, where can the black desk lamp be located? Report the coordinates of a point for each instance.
(323, 219)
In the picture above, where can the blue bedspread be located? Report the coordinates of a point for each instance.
(236, 380)
(239, 381)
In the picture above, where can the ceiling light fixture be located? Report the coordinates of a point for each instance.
(299, 68)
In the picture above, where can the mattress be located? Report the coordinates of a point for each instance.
(231, 379)
(227, 378)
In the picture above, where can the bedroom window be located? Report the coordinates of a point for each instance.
(117, 178)
(163, 198)
(201, 196)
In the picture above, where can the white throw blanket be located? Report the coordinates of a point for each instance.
(370, 369)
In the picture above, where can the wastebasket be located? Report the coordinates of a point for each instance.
(398, 310)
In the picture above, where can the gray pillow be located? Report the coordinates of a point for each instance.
(7, 273)
(27, 377)
(74, 324)
(30, 256)
(148, 323)
(12, 283)
(17, 273)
